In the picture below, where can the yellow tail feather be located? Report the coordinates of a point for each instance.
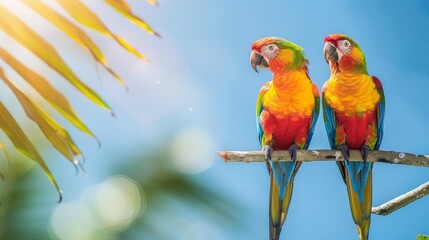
(361, 212)
(279, 208)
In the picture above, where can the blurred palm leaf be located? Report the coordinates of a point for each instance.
(17, 29)
(168, 194)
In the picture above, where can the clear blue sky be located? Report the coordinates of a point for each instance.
(199, 77)
(213, 39)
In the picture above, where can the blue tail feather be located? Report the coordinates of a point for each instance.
(358, 174)
(283, 172)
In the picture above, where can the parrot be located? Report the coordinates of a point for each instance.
(353, 111)
(287, 109)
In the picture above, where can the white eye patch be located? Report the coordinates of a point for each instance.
(345, 46)
(269, 51)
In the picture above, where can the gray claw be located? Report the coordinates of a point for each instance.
(365, 150)
(345, 151)
(292, 151)
(268, 151)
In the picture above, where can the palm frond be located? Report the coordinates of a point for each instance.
(17, 29)
(45, 89)
(73, 31)
(86, 17)
(21, 142)
(123, 8)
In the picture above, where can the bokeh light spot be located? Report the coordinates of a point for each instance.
(71, 221)
(192, 151)
(118, 201)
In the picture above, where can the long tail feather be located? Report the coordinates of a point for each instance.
(359, 187)
(281, 187)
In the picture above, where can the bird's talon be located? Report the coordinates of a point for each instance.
(345, 151)
(268, 151)
(292, 151)
(365, 150)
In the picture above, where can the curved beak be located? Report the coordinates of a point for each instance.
(256, 60)
(330, 52)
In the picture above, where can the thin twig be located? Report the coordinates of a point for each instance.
(403, 200)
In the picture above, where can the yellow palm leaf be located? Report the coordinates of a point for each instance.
(86, 17)
(55, 134)
(11, 128)
(123, 8)
(13, 26)
(50, 94)
(73, 32)
(17, 29)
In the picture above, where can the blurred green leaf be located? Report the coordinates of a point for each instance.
(168, 194)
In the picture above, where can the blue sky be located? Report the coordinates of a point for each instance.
(214, 37)
(199, 78)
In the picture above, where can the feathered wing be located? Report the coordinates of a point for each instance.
(380, 111)
(331, 125)
(259, 109)
(314, 115)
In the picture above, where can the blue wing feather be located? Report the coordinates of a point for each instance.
(380, 112)
(330, 124)
(314, 117)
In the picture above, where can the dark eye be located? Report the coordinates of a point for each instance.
(346, 43)
(271, 47)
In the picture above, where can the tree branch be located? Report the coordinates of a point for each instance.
(355, 155)
(403, 200)
(328, 155)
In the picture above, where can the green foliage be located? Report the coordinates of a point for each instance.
(422, 237)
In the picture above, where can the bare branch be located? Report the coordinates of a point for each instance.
(328, 155)
(402, 200)
(355, 155)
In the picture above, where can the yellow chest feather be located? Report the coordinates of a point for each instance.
(290, 94)
(351, 93)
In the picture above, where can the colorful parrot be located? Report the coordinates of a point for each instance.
(353, 110)
(286, 113)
